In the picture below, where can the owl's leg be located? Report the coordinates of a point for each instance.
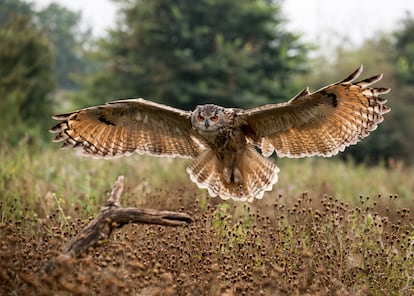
(238, 176)
(227, 173)
(232, 175)
(237, 171)
(231, 172)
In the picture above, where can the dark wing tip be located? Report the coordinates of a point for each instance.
(62, 116)
(303, 93)
(60, 137)
(354, 75)
(58, 127)
(369, 81)
(68, 144)
(385, 109)
(382, 90)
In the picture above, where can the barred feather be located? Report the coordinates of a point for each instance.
(322, 123)
(124, 127)
(259, 175)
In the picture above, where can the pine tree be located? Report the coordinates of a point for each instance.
(185, 52)
(26, 73)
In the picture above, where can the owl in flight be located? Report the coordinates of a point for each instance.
(221, 141)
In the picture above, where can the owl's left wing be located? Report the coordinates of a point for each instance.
(124, 127)
(320, 123)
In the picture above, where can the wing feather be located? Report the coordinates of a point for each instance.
(124, 127)
(322, 123)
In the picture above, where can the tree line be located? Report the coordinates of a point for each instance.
(184, 53)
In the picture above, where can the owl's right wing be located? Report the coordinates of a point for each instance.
(123, 127)
(320, 123)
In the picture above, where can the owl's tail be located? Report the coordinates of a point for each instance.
(259, 175)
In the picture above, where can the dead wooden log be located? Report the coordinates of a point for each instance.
(113, 215)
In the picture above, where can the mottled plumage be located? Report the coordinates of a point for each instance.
(221, 140)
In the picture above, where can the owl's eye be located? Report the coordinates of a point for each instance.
(214, 118)
(200, 118)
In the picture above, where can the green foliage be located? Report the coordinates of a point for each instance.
(13, 7)
(34, 178)
(184, 53)
(26, 74)
(405, 50)
(69, 41)
(37, 50)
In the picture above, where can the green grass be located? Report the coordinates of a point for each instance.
(328, 227)
(36, 180)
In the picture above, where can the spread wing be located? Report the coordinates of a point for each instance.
(124, 127)
(320, 123)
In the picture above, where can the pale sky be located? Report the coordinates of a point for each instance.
(326, 22)
(320, 21)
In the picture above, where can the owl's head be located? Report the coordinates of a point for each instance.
(208, 118)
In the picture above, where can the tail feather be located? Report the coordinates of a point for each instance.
(259, 175)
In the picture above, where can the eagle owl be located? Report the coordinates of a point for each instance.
(221, 141)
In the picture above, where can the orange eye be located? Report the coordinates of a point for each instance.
(200, 118)
(214, 118)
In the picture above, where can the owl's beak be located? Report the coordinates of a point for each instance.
(206, 123)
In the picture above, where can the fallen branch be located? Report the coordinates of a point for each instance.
(111, 216)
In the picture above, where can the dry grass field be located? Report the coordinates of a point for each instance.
(328, 228)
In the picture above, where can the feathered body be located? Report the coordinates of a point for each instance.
(221, 140)
(230, 167)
